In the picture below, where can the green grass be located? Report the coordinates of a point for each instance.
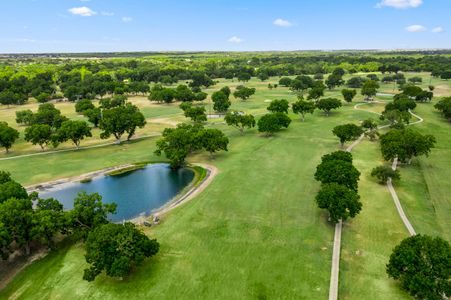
(255, 232)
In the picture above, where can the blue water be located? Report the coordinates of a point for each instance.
(135, 193)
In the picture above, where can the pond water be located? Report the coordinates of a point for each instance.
(135, 193)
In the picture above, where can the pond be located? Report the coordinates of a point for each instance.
(135, 193)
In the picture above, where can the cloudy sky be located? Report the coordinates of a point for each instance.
(158, 25)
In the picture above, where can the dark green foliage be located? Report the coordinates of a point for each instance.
(369, 89)
(24, 117)
(195, 113)
(285, 81)
(317, 91)
(39, 134)
(122, 119)
(94, 116)
(444, 106)
(200, 96)
(160, 94)
(200, 79)
(73, 130)
(405, 144)
(303, 107)
(8, 136)
(12, 189)
(214, 140)
(178, 142)
(337, 155)
(273, 122)
(348, 94)
(355, 82)
(338, 171)
(347, 132)
(239, 120)
(221, 101)
(302, 83)
(88, 213)
(244, 77)
(383, 173)
(422, 264)
(327, 104)
(226, 90)
(115, 101)
(116, 249)
(424, 96)
(47, 114)
(411, 90)
(48, 220)
(341, 202)
(415, 79)
(334, 80)
(184, 93)
(278, 106)
(243, 92)
(83, 105)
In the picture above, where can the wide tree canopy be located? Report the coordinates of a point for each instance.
(422, 264)
(116, 249)
(8, 136)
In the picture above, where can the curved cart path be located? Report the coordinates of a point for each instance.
(335, 270)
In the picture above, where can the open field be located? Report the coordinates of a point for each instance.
(256, 231)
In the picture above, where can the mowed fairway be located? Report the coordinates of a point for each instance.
(256, 231)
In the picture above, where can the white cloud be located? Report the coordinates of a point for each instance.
(415, 28)
(126, 19)
(282, 23)
(107, 13)
(235, 39)
(400, 4)
(82, 11)
(437, 29)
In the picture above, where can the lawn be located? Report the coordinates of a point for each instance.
(255, 232)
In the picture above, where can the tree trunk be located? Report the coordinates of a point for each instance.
(27, 248)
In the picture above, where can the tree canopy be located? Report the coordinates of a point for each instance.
(8, 136)
(240, 120)
(327, 104)
(303, 107)
(280, 105)
(422, 264)
(347, 132)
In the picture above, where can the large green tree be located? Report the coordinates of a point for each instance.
(347, 132)
(303, 107)
(278, 105)
(221, 102)
(243, 92)
(405, 144)
(74, 130)
(119, 120)
(8, 136)
(327, 104)
(214, 140)
(273, 122)
(341, 202)
(39, 134)
(338, 171)
(369, 89)
(239, 120)
(422, 264)
(116, 249)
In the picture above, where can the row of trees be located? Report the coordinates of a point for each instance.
(49, 127)
(339, 186)
(26, 220)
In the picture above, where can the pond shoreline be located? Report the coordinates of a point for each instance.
(185, 195)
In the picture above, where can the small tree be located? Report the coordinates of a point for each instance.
(221, 101)
(341, 202)
(348, 94)
(285, 81)
(116, 249)
(327, 104)
(24, 117)
(8, 136)
(243, 92)
(347, 132)
(75, 131)
(303, 107)
(444, 106)
(195, 113)
(278, 106)
(334, 80)
(369, 89)
(83, 105)
(39, 134)
(370, 127)
(214, 140)
(383, 173)
(240, 120)
(273, 122)
(422, 264)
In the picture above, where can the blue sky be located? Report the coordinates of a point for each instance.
(158, 25)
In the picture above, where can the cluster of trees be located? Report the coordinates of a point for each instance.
(444, 106)
(17, 89)
(177, 143)
(27, 220)
(182, 93)
(339, 185)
